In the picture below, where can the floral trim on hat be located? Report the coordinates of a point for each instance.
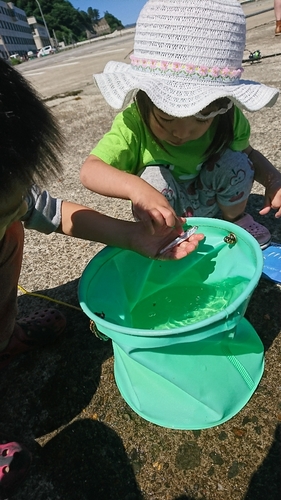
(181, 69)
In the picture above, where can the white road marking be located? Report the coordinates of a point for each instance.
(63, 64)
(97, 54)
(31, 73)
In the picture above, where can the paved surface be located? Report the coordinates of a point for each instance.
(63, 401)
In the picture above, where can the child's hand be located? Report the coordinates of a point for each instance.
(150, 245)
(269, 177)
(152, 208)
(272, 200)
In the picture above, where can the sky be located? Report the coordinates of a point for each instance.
(126, 11)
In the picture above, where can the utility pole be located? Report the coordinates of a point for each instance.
(45, 24)
(56, 40)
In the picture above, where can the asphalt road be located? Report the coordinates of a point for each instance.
(73, 69)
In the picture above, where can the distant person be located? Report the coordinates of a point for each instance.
(277, 12)
(30, 142)
(183, 147)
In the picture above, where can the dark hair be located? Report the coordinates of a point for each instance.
(224, 134)
(30, 139)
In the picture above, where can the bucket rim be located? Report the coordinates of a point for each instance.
(109, 252)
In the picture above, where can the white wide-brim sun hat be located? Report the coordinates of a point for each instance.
(187, 54)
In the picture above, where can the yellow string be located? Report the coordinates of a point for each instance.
(48, 298)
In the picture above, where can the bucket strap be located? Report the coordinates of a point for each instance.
(239, 367)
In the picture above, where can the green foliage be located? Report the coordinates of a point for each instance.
(113, 22)
(93, 14)
(14, 62)
(69, 24)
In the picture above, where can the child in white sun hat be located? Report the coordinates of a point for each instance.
(182, 147)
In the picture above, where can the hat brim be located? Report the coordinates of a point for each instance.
(119, 84)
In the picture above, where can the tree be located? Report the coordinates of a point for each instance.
(69, 23)
(93, 14)
(113, 22)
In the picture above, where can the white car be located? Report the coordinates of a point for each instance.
(45, 51)
(15, 56)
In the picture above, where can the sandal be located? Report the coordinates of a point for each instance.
(15, 460)
(259, 232)
(37, 330)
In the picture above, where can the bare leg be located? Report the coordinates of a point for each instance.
(233, 212)
(277, 12)
(277, 9)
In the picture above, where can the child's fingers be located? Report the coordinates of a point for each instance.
(266, 205)
(183, 249)
(278, 213)
(165, 217)
(274, 204)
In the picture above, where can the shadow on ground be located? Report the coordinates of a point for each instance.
(266, 482)
(255, 204)
(264, 311)
(45, 389)
(42, 391)
(87, 460)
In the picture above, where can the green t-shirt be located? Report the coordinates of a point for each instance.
(129, 146)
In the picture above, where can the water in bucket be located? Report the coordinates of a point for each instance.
(185, 304)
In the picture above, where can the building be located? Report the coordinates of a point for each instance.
(102, 27)
(40, 34)
(15, 33)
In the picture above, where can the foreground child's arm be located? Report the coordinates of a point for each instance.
(150, 206)
(269, 177)
(85, 223)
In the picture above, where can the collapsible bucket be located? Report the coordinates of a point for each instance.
(184, 355)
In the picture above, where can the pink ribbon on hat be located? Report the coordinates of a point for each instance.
(177, 68)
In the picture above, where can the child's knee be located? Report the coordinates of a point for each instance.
(158, 176)
(236, 165)
(161, 178)
(232, 168)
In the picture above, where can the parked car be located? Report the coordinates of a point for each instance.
(45, 51)
(31, 54)
(15, 56)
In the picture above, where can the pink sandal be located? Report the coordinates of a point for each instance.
(37, 330)
(259, 232)
(15, 460)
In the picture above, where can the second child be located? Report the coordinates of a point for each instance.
(182, 148)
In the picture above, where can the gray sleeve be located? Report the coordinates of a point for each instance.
(43, 213)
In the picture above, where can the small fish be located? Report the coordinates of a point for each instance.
(179, 239)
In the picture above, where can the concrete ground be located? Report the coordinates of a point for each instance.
(63, 402)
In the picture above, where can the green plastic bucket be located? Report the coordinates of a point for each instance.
(184, 355)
